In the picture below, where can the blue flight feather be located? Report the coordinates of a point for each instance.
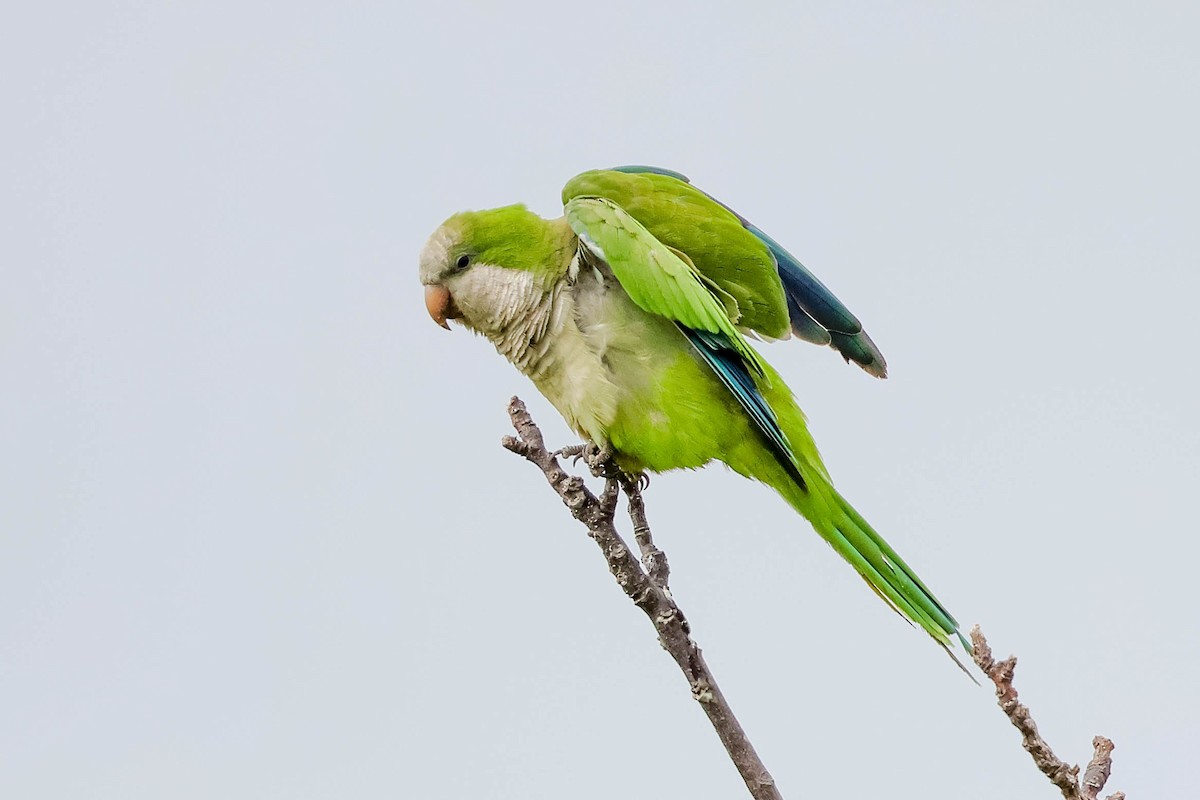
(809, 293)
(730, 367)
(806, 294)
(805, 326)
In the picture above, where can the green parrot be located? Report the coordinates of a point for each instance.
(631, 313)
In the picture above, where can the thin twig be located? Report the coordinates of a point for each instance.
(1062, 775)
(654, 561)
(1098, 770)
(649, 594)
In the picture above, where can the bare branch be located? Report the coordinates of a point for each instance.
(654, 561)
(647, 592)
(1062, 775)
(1098, 769)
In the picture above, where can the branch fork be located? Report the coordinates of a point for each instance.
(1064, 776)
(644, 582)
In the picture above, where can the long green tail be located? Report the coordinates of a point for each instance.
(786, 458)
(880, 566)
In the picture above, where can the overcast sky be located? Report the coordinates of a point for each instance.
(257, 535)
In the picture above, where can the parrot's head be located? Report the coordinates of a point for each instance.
(488, 268)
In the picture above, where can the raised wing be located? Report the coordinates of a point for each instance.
(713, 238)
(656, 279)
(811, 311)
(664, 283)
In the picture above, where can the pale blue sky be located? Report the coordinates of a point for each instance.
(257, 535)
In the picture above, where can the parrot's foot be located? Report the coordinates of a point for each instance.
(598, 459)
(574, 452)
(600, 462)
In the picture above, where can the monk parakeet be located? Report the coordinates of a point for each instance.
(631, 314)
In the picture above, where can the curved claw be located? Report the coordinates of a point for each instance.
(573, 452)
(635, 482)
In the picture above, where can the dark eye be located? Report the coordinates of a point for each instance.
(463, 262)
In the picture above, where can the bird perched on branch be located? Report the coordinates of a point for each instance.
(630, 314)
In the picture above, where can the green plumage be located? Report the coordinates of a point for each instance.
(629, 324)
(683, 217)
(658, 278)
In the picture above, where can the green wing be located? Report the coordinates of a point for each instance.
(664, 282)
(655, 277)
(774, 291)
(714, 239)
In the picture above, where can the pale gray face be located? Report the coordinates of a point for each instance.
(484, 297)
(435, 263)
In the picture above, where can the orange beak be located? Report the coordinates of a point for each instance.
(439, 304)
